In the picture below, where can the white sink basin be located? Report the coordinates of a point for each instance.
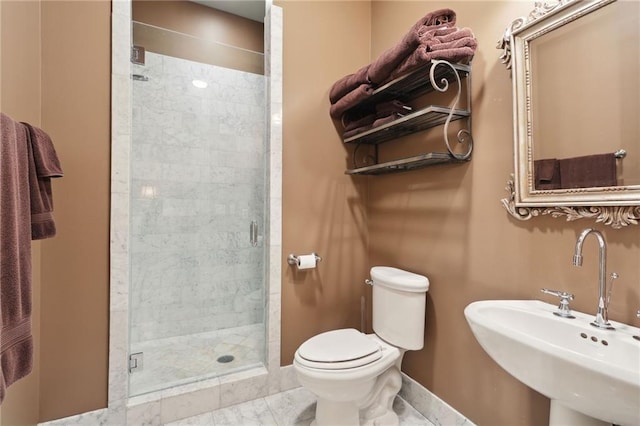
(579, 367)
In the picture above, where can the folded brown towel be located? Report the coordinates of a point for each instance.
(348, 83)
(352, 132)
(453, 34)
(385, 109)
(350, 100)
(437, 18)
(43, 156)
(390, 58)
(16, 342)
(367, 120)
(382, 67)
(588, 171)
(421, 56)
(453, 44)
(384, 120)
(546, 174)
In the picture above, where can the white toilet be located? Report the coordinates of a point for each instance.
(356, 376)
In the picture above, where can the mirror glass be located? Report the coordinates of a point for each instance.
(575, 66)
(585, 100)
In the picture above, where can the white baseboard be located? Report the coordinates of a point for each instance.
(429, 405)
(90, 418)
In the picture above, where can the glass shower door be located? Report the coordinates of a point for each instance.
(197, 221)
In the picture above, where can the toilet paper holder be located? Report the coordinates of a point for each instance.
(292, 259)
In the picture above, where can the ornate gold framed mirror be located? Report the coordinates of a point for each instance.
(575, 66)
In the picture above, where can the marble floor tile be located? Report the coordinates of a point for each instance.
(295, 407)
(252, 413)
(205, 419)
(408, 415)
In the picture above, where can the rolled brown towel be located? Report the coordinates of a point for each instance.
(367, 120)
(385, 120)
(348, 83)
(390, 58)
(434, 36)
(355, 131)
(454, 44)
(420, 57)
(350, 100)
(438, 17)
(456, 34)
(427, 33)
(385, 109)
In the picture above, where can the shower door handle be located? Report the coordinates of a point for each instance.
(253, 233)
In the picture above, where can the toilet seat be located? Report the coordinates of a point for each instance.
(339, 349)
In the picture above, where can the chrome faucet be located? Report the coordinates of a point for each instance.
(602, 316)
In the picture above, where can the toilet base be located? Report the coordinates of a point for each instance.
(388, 419)
(376, 409)
(361, 396)
(336, 413)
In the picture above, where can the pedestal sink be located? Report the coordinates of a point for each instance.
(588, 373)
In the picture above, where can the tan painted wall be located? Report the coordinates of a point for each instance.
(55, 74)
(20, 96)
(216, 37)
(76, 72)
(323, 210)
(447, 222)
(201, 21)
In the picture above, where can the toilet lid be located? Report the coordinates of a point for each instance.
(338, 349)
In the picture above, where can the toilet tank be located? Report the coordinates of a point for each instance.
(399, 301)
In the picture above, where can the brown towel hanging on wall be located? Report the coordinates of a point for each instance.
(46, 165)
(24, 162)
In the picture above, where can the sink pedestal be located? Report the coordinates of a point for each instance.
(559, 415)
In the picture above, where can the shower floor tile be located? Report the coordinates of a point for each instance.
(178, 360)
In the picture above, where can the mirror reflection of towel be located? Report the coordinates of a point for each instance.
(546, 173)
(588, 171)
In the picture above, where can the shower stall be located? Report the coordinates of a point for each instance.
(198, 179)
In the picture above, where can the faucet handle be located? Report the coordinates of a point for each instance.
(561, 294)
(614, 276)
(564, 310)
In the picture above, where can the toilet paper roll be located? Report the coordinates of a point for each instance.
(307, 261)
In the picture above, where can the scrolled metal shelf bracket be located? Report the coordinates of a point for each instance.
(464, 135)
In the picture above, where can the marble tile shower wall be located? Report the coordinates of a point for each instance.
(197, 182)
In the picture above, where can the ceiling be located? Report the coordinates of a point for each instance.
(250, 9)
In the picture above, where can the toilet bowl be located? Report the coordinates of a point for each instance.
(356, 376)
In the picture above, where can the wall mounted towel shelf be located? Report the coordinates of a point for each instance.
(438, 76)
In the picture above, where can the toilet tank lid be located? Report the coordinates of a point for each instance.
(398, 279)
